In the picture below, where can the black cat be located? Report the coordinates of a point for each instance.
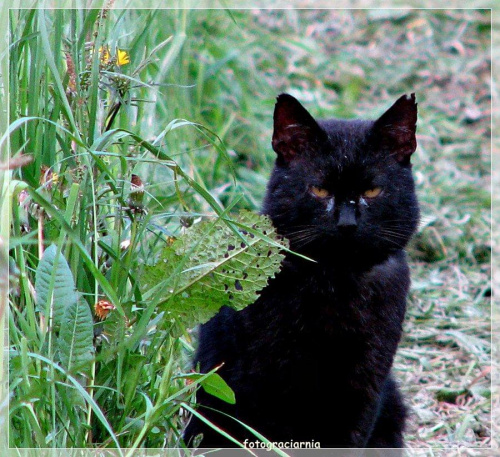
(310, 360)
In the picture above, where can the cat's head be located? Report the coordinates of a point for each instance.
(343, 187)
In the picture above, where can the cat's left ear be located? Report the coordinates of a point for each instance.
(396, 129)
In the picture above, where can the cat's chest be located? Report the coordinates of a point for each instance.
(334, 307)
(320, 305)
(298, 325)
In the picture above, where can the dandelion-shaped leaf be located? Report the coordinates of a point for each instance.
(75, 343)
(54, 285)
(211, 266)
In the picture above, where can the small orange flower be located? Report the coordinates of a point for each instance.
(103, 308)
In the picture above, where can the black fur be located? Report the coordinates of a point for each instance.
(311, 358)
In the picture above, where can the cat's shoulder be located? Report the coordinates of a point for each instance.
(392, 273)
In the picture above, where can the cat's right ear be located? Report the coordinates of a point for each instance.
(295, 130)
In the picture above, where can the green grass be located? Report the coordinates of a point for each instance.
(191, 116)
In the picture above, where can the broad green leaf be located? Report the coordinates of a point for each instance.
(214, 385)
(54, 285)
(75, 342)
(211, 266)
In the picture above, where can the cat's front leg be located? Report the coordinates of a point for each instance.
(364, 425)
(381, 419)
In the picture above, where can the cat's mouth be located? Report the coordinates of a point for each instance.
(341, 238)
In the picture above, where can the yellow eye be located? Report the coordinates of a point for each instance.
(319, 192)
(372, 193)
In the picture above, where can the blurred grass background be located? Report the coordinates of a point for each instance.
(222, 70)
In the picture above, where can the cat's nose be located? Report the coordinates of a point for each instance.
(347, 217)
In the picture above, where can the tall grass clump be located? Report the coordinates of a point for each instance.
(111, 265)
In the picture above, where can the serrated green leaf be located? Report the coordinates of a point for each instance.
(75, 343)
(54, 285)
(210, 266)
